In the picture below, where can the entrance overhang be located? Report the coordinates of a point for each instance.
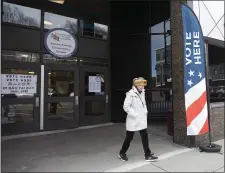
(215, 42)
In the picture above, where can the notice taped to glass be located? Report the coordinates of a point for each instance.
(19, 84)
(94, 84)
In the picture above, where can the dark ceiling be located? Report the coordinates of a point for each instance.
(95, 10)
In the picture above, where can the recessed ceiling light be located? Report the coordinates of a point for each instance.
(58, 1)
(47, 23)
(24, 55)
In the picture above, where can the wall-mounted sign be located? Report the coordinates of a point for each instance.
(18, 84)
(60, 43)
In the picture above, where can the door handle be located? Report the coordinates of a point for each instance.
(37, 102)
(76, 100)
(106, 98)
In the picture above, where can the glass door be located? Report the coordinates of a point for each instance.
(61, 97)
(93, 96)
(20, 98)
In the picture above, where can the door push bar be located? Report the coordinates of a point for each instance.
(106, 98)
(37, 102)
(76, 100)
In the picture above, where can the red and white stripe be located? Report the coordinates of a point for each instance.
(196, 109)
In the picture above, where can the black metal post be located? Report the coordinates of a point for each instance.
(165, 44)
(207, 89)
(165, 53)
(208, 147)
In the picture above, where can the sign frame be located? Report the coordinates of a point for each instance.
(54, 54)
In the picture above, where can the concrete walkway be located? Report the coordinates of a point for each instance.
(190, 161)
(95, 150)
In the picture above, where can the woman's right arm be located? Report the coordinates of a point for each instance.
(127, 106)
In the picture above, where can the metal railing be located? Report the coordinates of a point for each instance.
(159, 108)
(217, 93)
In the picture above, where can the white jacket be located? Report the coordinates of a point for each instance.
(136, 109)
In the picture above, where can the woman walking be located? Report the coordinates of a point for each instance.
(135, 107)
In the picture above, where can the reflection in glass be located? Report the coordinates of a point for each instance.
(94, 108)
(87, 29)
(159, 57)
(160, 61)
(95, 30)
(60, 111)
(20, 113)
(52, 21)
(18, 14)
(92, 88)
(93, 61)
(60, 83)
(19, 72)
(47, 58)
(216, 72)
(217, 82)
(101, 31)
(20, 56)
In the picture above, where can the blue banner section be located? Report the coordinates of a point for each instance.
(194, 49)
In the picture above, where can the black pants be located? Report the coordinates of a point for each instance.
(129, 137)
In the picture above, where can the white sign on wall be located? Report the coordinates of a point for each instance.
(19, 84)
(60, 43)
(94, 84)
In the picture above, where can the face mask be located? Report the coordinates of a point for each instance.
(140, 88)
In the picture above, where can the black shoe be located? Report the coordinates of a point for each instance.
(123, 157)
(151, 158)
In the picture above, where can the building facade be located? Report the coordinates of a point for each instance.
(60, 97)
(160, 61)
(44, 92)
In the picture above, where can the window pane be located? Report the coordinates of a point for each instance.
(52, 21)
(95, 30)
(47, 58)
(61, 111)
(158, 57)
(21, 15)
(216, 72)
(158, 79)
(217, 82)
(158, 48)
(21, 113)
(159, 28)
(158, 54)
(87, 29)
(20, 56)
(61, 83)
(94, 108)
(22, 83)
(101, 31)
(94, 84)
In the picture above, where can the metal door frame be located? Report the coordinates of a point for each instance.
(93, 120)
(59, 124)
(8, 129)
